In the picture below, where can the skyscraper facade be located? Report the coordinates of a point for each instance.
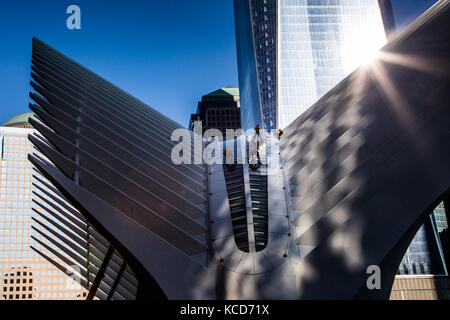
(425, 255)
(24, 273)
(218, 110)
(441, 218)
(423, 271)
(291, 52)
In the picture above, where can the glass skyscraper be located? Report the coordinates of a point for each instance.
(291, 52)
(424, 255)
(441, 218)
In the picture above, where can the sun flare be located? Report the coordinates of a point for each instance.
(362, 47)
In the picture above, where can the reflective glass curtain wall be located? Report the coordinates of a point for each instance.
(264, 21)
(320, 43)
(424, 255)
(291, 52)
(248, 83)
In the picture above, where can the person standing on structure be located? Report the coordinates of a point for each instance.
(254, 145)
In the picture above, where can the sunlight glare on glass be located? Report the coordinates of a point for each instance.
(362, 48)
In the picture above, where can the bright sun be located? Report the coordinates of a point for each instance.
(361, 48)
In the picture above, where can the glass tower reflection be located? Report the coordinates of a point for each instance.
(424, 255)
(299, 50)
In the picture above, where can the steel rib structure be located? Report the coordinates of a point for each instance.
(87, 141)
(360, 171)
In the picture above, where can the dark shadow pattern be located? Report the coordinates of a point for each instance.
(369, 161)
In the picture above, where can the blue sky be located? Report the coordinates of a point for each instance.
(167, 53)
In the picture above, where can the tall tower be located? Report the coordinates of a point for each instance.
(218, 110)
(291, 52)
(24, 273)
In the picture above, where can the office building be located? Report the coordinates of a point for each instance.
(24, 274)
(423, 271)
(291, 52)
(219, 110)
(425, 255)
(387, 14)
(441, 218)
